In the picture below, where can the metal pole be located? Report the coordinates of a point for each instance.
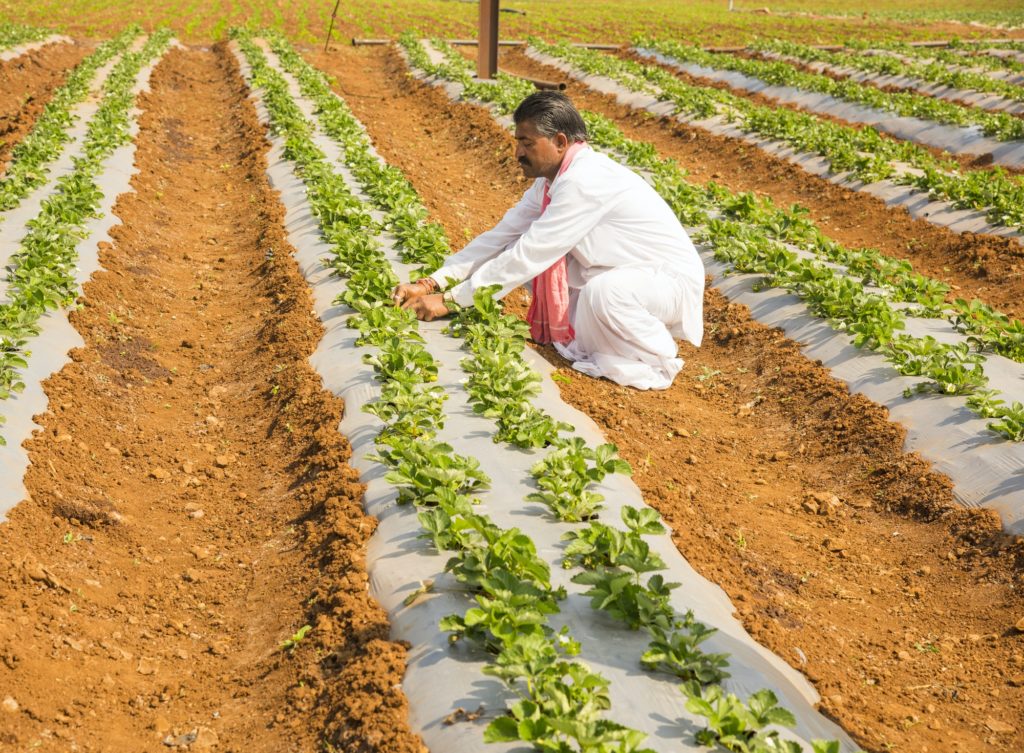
(330, 27)
(487, 52)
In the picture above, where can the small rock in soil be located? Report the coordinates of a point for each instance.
(181, 741)
(146, 667)
(190, 576)
(160, 473)
(196, 514)
(1020, 625)
(206, 739)
(821, 503)
(1000, 728)
(9, 704)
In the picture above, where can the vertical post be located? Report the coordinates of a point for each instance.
(487, 40)
(331, 27)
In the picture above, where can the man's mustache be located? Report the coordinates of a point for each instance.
(523, 161)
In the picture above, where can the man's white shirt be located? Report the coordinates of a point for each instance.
(606, 217)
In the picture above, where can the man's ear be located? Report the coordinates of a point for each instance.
(561, 141)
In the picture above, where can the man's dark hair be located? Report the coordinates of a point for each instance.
(552, 112)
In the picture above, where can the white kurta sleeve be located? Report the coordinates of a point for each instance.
(569, 217)
(485, 246)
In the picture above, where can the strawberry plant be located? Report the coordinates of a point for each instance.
(678, 653)
(508, 610)
(421, 469)
(402, 361)
(409, 410)
(564, 474)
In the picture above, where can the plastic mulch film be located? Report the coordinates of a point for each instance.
(18, 50)
(440, 679)
(954, 139)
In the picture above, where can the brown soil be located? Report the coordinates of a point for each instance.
(191, 506)
(843, 554)
(26, 84)
(975, 265)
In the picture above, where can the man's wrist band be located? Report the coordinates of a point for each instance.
(430, 283)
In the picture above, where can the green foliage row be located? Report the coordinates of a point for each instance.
(560, 700)
(15, 34)
(614, 564)
(41, 274)
(999, 125)
(45, 142)
(936, 70)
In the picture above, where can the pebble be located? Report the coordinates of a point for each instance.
(903, 655)
(196, 514)
(1000, 728)
(160, 473)
(190, 576)
(1019, 627)
(9, 704)
(200, 553)
(223, 461)
(146, 667)
(206, 739)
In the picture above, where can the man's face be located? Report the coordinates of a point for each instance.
(538, 155)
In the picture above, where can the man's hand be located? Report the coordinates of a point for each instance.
(427, 307)
(407, 292)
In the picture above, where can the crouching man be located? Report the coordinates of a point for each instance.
(615, 278)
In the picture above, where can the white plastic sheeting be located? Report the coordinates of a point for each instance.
(916, 203)
(18, 50)
(49, 350)
(974, 98)
(986, 470)
(440, 679)
(954, 139)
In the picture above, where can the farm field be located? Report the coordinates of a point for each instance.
(248, 505)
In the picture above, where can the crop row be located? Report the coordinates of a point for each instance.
(862, 151)
(45, 142)
(886, 62)
(509, 617)
(560, 698)
(999, 125)
(957, 53)
(618, 566)
(15, 34)
(41, 274)
(754, 236)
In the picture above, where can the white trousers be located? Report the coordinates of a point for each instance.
(623, 320)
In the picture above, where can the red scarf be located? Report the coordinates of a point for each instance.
(549, 310)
